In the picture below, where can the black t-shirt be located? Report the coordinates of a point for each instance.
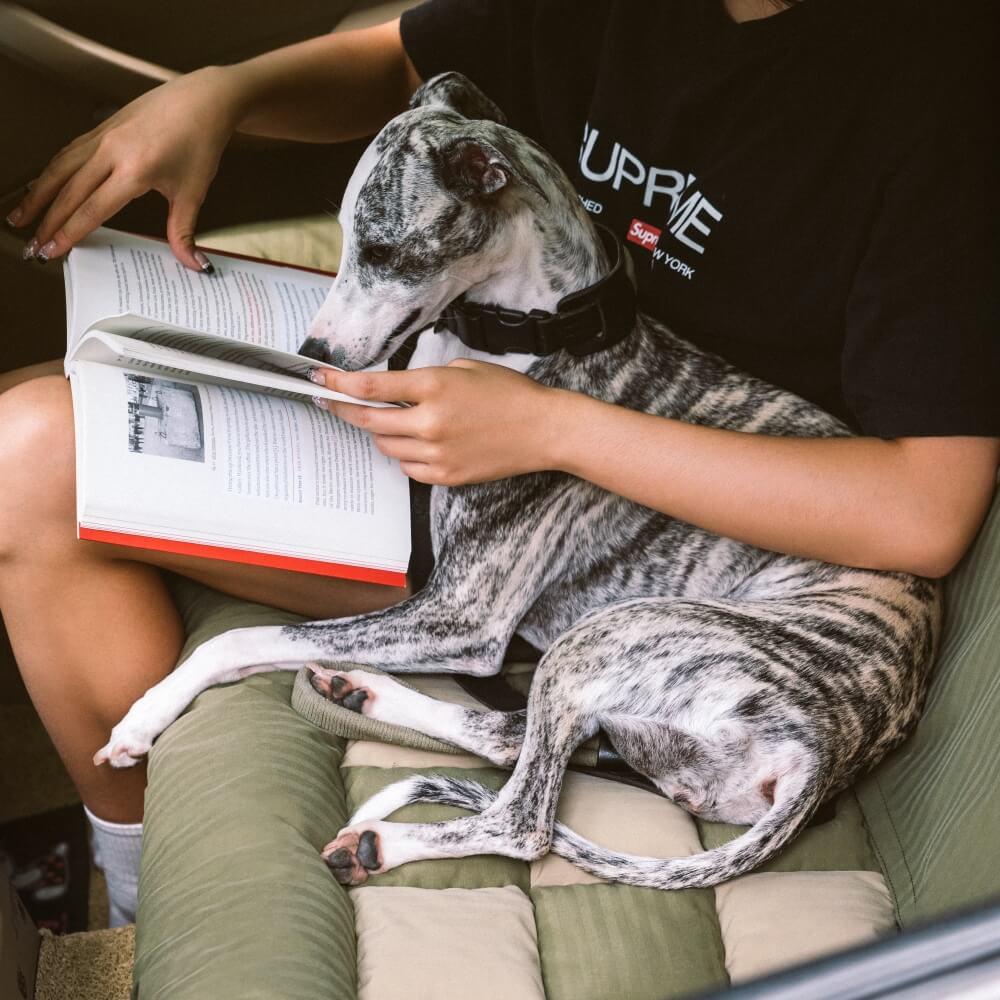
(809, 195)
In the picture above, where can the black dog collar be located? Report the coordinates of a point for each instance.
(585, 322)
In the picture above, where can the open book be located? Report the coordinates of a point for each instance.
(195, 427)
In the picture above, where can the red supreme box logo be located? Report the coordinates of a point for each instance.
(644, 234)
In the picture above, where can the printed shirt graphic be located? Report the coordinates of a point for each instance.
(666, 200)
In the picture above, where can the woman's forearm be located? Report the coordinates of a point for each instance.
(911, 504)
(327, 89)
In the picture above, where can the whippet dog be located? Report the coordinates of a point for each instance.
(747, 685)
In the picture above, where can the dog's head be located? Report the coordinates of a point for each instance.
(432, 209)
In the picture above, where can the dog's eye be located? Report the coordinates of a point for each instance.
(376, 253)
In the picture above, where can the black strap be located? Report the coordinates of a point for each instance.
(421, 550)
(584, 322)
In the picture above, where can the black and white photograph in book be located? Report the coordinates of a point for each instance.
(165, 418)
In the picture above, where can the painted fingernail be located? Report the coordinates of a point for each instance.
(204, 263)
(14, 219)
(323, 404)
(316, 376)
(30, 249)
(47, 251)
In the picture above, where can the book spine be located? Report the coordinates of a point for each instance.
(342, 570)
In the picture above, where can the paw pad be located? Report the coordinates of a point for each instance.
(352, 856)
(339, 688)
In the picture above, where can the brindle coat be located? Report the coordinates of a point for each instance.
(749, 686)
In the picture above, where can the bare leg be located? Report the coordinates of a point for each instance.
(92, 625)
(9, 379)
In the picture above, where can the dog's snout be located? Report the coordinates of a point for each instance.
(318, 350)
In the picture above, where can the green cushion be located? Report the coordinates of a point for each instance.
(236, 902)
(835, 840)
(234, 899)
(313, 241)
(600, 941)
(933, 807)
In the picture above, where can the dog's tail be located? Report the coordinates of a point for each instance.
(794, 804)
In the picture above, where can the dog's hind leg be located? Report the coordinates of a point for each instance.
(617, 668)
(518, 822)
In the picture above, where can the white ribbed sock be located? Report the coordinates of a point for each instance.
(116, 848)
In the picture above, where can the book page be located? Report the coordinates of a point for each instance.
(177, 459)
(265, 304)
(251, 356)
(140, 355)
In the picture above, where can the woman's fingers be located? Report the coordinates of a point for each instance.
(48, 184)
(74, 193)
(422, 472)
(181, 228)
(375, 420)
(406, 449)
(386, 387)
(108, 199)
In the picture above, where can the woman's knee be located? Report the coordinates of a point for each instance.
(37, 461)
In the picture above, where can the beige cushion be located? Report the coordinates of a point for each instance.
(315, 241)
(446, 944)
(776, 919)
(370, 753)
(444, 688)
(616, 816)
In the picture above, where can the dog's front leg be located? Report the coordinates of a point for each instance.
(228, 657)
(426, 633)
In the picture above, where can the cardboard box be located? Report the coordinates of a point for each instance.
(19, 943)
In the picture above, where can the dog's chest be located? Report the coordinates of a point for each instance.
(437, 349)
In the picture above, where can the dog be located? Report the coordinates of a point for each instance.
(748, 686)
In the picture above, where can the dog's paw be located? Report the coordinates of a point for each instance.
(353, 856)
(351, 690)
(123, 749)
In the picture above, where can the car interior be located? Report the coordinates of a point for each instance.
(893, 891)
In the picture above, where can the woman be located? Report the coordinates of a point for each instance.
(803, 191)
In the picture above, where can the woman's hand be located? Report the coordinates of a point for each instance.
(471, 422)
(168, 140)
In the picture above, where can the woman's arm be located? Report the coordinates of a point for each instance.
(912, 504)
(327, 89)
(170, 139)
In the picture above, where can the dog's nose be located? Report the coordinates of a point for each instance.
(318, 350)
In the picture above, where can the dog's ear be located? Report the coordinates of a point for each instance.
(471, 168)
(457, 93)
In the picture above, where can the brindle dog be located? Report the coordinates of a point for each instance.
(748, 686)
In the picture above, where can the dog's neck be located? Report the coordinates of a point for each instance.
(542, 258)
